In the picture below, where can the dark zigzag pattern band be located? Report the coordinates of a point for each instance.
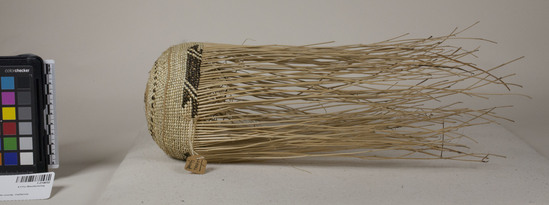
(194, 59)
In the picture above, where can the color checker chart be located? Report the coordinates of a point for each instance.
(24, 127)
(17, 143)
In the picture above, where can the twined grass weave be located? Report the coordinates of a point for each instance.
(382, 100)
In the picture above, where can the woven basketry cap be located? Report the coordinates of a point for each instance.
(171, 99)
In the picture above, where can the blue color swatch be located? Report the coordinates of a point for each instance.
(7, 83)
(10, 158)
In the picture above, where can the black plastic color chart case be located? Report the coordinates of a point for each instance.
(26, 115)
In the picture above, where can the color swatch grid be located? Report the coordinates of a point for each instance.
(16, 139)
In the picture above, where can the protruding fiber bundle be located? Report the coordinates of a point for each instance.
(235, 102)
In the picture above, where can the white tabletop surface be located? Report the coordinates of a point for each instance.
(148, 176)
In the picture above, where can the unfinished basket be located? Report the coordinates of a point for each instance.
(236, 102)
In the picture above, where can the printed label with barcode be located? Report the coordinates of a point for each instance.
(26, 187)
(34, 178)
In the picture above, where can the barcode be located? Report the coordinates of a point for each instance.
(34, 178)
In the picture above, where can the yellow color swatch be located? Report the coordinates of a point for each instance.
(8, 113)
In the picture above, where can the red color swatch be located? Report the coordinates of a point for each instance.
(9, 128)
